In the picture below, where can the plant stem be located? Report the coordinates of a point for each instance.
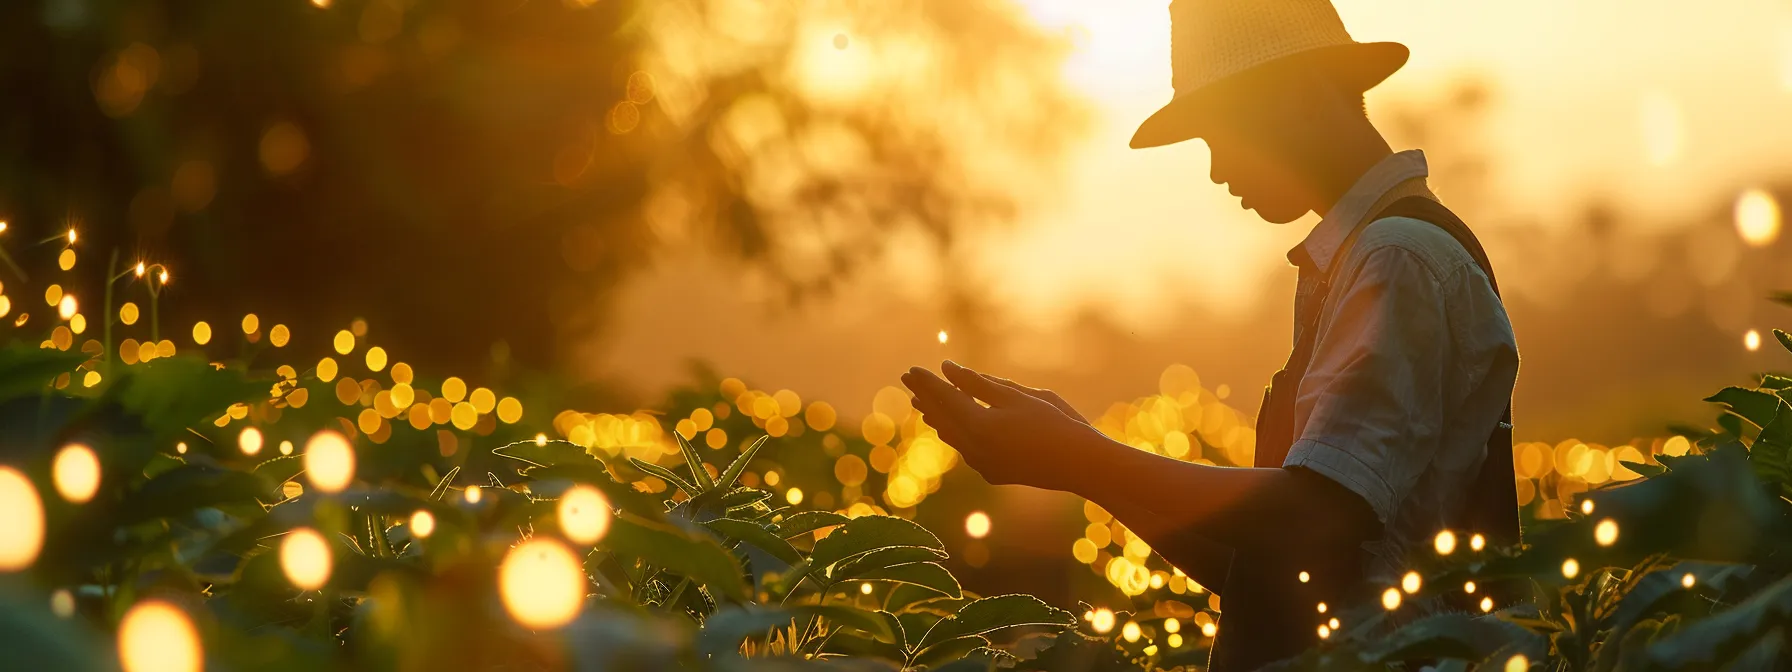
(106, 352)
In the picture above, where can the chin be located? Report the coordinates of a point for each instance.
(1276, 215)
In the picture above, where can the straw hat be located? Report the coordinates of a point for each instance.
(1213, 41)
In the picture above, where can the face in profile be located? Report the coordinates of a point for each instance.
(1262, 140)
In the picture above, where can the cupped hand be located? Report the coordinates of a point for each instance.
(1025, 436)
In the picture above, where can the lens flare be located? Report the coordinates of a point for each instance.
(156, 636)
(305, 556)
(584, 515)
(329, 461)
(542, 584)
(76, 473)
(977, 525)
(22, 528)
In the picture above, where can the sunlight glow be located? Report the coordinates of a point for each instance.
(329, 461)
(76, 473)
(305, 557)
(542, 584)
(22, 528)
(1751, 341)
(156, 636)
(584, 514)
(977, 525)
(1757, 218)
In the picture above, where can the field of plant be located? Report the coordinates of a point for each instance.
(168, 511)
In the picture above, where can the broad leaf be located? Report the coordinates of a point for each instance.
(662, 545)
(700, 476)
(1707, 642)
(177, 392)
(755, 534)
(948, 651)
(739, 465)
(1755, 406)
(724, 630)
(885, 557)
(550, 453)
(869, 533)
(924, 574)
(666, 475)
(995, 613)
(1457, 636)
(804, 522)
(187, 488)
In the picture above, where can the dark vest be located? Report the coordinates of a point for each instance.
(1267, 614)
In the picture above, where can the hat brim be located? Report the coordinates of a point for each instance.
(1358, 65)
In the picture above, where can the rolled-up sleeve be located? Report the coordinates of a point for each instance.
(1372, 399)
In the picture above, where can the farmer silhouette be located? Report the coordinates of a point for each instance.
(1391, 420)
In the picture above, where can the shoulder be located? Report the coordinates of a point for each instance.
(1408, 241)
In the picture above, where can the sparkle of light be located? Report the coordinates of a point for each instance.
(1486, 604)
(1305, 577)
(1445, 543)
(67, 307)
(156, 636)
(1209, 629)
(865, 588)
(977, 524)
(794, 496)
(285, 447)
(140, 269)
(22, 528)
(1325, 632)
(345, 342)
(1103, 620)
(943, 336)
(202, 333)
(1130, 631)
(1586, 507)
(542, 584)
(1477, 542)
(1322, 607)
(1518, 663)
(1751, 341)
(1606, 533)
(1570, 568)
(423, 524)
(1686, 580)
(329, 461)
(1410, 583)
(1171, 625)
(473, 494)
(305, 557)
(1757, 218)
(1468, 587)
(1390, 599)
(249, 440)
(76, 473)
(584, 514)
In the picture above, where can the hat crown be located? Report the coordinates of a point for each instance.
(1214, 39)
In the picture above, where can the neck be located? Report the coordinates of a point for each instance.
(1351, 154)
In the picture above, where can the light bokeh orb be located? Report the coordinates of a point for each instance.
(1757, 216)
(977, 525)
(305, 557)
(1103, 620)
(250, 440)
(584, 514)
(76, 473)
(1606, 533)
(156, 636)
(1411, 582)
(1445, 543)
(423, 524)
(22, 528)
(542, 584)
(329, 461)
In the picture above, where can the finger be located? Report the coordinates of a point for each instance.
(947, 400)
(1041, 394)
(976, 385)
(950, 431)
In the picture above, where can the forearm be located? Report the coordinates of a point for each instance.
(1248, 509)
(1204, 561)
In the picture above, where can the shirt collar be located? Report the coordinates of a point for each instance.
(1321, 245)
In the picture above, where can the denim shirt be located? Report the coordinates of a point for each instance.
(1413, 365)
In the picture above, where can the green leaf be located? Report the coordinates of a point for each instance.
(1644, 469)
(1755, 406)
(691, 459)
(1781, 297)
(1784, 338)
(174, 393)
(724, 630)
(804, 522)
(1775, 382)
(666, 475)
(1455, 635)
(1707, 642)
(885, 557)
(188, 488)
(596, 475)
(1650, 593)
(755, 534)
(739, 465)
(740, 497)
(662, 545)
(924, 574)
(994, 613)
(869, 533)
(948, 651)
(26, 369)
(551, 453)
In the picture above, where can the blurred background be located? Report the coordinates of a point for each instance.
(815, 195)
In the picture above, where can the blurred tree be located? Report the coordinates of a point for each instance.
(469, 172)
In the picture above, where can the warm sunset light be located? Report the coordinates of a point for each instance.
(329, 461)
(977, 525)
(22, 528)
(1751, 340)
(542, 584)
(943, 337)
(584, 514)
(76, 473)
(155, 636)
(305, 557)
(1757, 216)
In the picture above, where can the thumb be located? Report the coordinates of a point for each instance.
(976, 385)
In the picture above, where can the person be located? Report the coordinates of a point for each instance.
(1391, 421)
